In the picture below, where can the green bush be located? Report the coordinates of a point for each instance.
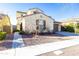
(69, 29)
(16, 31)
(25, 33)
(2, 35)
(22, 32)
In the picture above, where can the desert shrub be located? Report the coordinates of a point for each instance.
(2, 35)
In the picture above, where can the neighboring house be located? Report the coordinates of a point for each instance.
(58, 26)
(70, 21)
(34, 20)
(5, 24)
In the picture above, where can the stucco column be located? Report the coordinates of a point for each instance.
(75, 25)
(59, 28)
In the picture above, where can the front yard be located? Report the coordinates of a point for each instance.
(41, 39)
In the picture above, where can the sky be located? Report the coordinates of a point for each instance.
(58, 11)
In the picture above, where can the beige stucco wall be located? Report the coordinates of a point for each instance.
(30, 22)
(19, 19)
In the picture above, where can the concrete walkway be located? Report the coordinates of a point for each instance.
(17, 41)
(67, 34)
(40, 49)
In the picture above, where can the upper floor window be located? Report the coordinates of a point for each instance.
(37, 24)
(41, 16)
(35, 12)
(44, 22)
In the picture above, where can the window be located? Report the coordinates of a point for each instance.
(37, 24)
(40, 25)
(34, 12)
(44, 22)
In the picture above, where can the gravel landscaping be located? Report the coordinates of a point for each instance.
(41, 39)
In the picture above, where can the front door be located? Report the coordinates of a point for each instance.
(21, 26)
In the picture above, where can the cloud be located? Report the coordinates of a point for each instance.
(4, 12)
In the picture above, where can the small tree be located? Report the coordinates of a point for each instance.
(68, 28)
(71, 28)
